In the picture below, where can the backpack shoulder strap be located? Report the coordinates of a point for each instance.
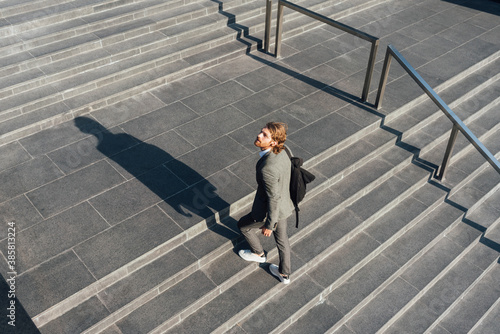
(298, 162)
(297, 217)
(288, 152)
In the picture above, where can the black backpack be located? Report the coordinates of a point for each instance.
(298, 180)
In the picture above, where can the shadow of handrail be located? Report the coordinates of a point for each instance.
(324, 19)
(240, 29)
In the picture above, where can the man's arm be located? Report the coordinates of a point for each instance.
(270, 178)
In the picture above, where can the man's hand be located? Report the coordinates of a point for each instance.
(266, 232)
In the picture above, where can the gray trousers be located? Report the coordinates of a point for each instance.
(248, 227)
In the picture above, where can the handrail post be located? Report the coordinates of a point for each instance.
(383, 79)
(369, 70)
(279, 30)
(267, 31)
(448, 153)
(325, 19)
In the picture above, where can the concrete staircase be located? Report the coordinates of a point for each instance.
(382, 247)
(90, 54)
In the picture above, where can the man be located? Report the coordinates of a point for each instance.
(272, 203)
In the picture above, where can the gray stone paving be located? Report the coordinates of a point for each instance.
(92, 195)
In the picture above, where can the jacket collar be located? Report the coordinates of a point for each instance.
(263, 153)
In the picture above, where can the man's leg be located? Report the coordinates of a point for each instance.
(283, 244)
(247, 226)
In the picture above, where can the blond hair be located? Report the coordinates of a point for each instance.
(278, 134)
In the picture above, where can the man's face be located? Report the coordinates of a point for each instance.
(264, 140)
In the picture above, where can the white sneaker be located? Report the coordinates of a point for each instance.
(248, 255)
(276, 272)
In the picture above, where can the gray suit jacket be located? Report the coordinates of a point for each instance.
(272, 201)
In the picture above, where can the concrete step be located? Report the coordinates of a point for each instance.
(142, 49)
(97, 30)
(357, 256)
(349, 277)
(205, 238)
(58, 31)
(29, 17)
(101, 74)
(25, 113)
(334, 267)
(206, 256)
(405, 131)
(449, 256)
(19, 105)
(10, 8)
(343, 296)
(96, 38)
(463, 274)
(55, 16)
(489, 322)
(488, 178)
(473, 304)
(109, 30)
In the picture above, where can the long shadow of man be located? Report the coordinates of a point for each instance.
(174, 185)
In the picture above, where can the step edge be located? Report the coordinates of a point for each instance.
(477, 327)
(394, 276)
(152, 27)
(462, 296)
(97, 104)
(164, 60)
(436, 279)
(45, 60)
(52, 55)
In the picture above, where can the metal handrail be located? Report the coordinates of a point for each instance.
(458, 125)
(324, 19)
